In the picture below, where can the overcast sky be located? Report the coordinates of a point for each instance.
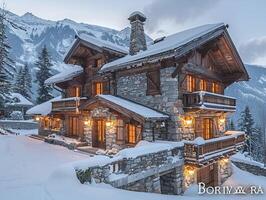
(246, 18)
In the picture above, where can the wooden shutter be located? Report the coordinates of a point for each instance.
(153, 83)
(106, 87)
(198, 127)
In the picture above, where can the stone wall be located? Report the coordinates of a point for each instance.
(257, 170)
(159, 172)
(134, 87)
(224, 170)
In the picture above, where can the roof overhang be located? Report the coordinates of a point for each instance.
(100, 101)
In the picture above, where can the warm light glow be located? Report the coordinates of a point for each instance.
(222, 120)
(37, 118)
(108, 123)
(225, 160)
(87, 122)
(187, 121)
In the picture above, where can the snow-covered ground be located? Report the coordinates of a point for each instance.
(32, 169)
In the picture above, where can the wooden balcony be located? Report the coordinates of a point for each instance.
(209, 101)
(67, 104)
(201, 152)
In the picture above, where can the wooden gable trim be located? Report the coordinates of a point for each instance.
(230, 45)
(100, 101)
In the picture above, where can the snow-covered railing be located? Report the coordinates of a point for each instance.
(201, 150)
(208, 100)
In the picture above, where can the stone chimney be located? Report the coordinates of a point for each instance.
(137, 36)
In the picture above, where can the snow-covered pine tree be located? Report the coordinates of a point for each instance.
(6, 63)
(257, 144)
(246, 124)
(231, 125)
(44, 66)
(23, 82)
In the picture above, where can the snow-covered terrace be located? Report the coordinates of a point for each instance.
(170, 43)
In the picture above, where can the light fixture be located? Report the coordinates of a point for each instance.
(108, 123)
(37, 118)
(222, 120)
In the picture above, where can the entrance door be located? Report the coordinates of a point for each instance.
(98, 139)
(73, 126)
(208, 175)
(207, 128)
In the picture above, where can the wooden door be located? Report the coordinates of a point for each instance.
(207, 175)
(207, 128)
(73, 126)
(99, 135)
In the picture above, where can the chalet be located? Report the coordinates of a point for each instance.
(171, 90)
(17, 103)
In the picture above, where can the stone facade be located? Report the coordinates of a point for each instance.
(159, 172)
(224, 170)
(134, 87)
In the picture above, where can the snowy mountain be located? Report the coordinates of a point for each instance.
(251, 93)
(58, 36)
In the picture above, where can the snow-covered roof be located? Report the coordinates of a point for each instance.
(43, 108)
(169, 43)
(19, 99)
(70, 71)
(102, 43)
(143, 111)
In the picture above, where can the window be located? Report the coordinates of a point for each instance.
(98, 88)
(77, 91)
(207, 128)
(99, 62)
(120, 130)
(131, 134)
(153, 83)
(46, 123)
(215, 88)
(74, 91)
(191, 83)
(56, 124)
(203, 85)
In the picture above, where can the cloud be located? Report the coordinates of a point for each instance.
(253, 50)
(178, 11)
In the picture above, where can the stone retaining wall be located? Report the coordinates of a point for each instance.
(250, 168)
(146, 173)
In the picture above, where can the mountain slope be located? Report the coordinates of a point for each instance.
(251, 93)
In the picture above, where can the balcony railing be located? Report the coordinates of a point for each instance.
(207, 100)
(67, 104)
(202, 151)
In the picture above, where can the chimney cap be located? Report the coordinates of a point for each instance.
(137, 15)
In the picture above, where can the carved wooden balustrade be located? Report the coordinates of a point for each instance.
(201, 152)
(207, 100)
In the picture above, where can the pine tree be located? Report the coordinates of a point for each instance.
(246, 124)
(6, 67)
(23, 82)
(232, 125)
(44, 66)
(257, 144)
